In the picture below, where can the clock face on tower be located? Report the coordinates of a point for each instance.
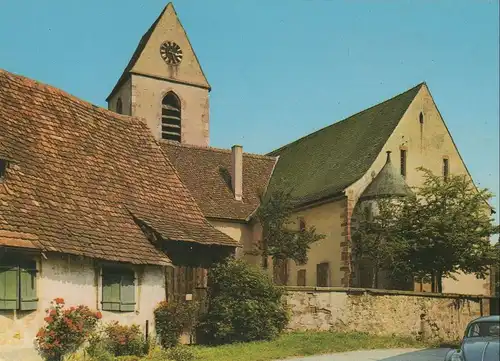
(171, 53)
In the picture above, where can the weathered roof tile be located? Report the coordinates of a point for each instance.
(206, 173)
(77, 172)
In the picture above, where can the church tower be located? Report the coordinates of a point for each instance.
(164, 84)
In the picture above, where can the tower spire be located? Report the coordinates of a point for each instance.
(163, 67)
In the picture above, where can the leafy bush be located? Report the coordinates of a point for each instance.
(244, 305)
(96, 347)
(65, 329)
(127, 358)
(180, 353)
(157, 354)
(117, 340)
(103, 355)
(172, 318)
(125, 340)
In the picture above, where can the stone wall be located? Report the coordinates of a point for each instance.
(438, 317)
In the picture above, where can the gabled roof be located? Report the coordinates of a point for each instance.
(79, 177)
(324, 163)
(206, 173)
(140, 47)
(388, 183)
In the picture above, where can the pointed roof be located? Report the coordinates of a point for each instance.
(322, 164)
(388, 183)
(83, 180)
(141, 46)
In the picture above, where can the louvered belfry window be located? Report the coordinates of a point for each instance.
(171, 117)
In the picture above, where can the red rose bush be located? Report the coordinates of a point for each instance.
(65, 329)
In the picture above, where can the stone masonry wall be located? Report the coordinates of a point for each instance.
(438, 317)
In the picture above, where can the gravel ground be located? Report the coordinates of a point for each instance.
(382, 355)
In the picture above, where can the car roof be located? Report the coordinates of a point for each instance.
(494, 318)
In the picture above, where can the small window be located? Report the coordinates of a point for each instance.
(18, 285)
(118, 289)
(280, 271)
(403, 162)
(119, 106)
(302, 224)
(171, 118)
(3, 168)
(322, 274)
(301, 277)
(446, 168)
(421, 118)
(368, 213)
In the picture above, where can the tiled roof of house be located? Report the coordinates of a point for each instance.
(206, 173)
(325, 162)
(79, 175)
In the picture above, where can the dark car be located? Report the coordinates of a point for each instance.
(481, 341)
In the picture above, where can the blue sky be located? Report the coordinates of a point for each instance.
(282, 69)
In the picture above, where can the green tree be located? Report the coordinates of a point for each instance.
(280, 240)
(447, 226)
(376, 243)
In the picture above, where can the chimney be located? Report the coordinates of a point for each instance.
(237, 171)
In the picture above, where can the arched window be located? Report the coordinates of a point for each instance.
(119, 106)
(171, 117)
(421, 118)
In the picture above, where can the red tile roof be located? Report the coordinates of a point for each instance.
(206, 173)
(78, 175)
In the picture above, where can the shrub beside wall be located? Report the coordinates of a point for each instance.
(243, 305)
(172, 319)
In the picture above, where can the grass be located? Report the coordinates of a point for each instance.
(298, 344)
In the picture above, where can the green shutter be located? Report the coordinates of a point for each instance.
(27, 274)
(127, 294)
(110, 291)
(9, 288)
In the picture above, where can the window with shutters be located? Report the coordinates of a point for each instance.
(301, 277)
(322, 274)
(118, 289)
(171, 117)
(18, 285)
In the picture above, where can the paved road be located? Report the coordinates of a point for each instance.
(381, 355)
(375, 355)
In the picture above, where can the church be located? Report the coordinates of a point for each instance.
(101, 206)
(330, 171)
